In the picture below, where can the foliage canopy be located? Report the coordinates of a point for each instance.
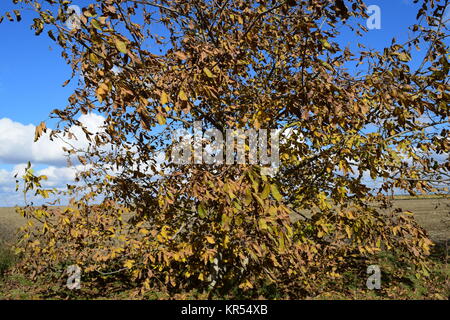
(150, 67)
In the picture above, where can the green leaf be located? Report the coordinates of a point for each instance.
(262, 224)
(261, 202)
(276, 194)
(265, 192)
(327, 65)
(201, 211)
(96, 24)
(325, 44)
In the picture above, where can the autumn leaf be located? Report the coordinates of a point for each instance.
(161, 119)
(266, 191)
(39, 130)
(201, 211)
(181, 55)
(275, 193)
(403, 56)
(226, 67)
(164, 98)
(96, 24)
(129, 264)
(208, 72)
(325, 44)
(121, 46)
(182, 95)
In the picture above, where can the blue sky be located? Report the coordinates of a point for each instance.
(32, 72)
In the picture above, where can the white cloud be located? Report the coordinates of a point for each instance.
(14, 141)
(17, 147)
(57, 177)
(6, 181)
(17, 142)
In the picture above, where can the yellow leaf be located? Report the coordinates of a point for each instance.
(93, 57)
(262, 224)
(265, 192)
(102, 91)
(129, 264)
(276, 194)
(208, 72)
(74, 233)
(121, 46)
(226, 240)
(210, 239)
(164, 232)
(404, 57)
(182, 95)
(348, 230)
(325, 44)
(164, 98)
(161, 119)
(246, 285)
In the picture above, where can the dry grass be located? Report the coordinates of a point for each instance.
(10, 221)
(431, 214)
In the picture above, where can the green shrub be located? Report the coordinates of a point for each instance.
(6, 259)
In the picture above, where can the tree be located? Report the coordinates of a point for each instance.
(151, 67)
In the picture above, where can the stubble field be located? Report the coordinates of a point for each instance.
(433, 214)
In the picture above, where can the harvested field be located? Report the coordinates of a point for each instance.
(431, 213)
